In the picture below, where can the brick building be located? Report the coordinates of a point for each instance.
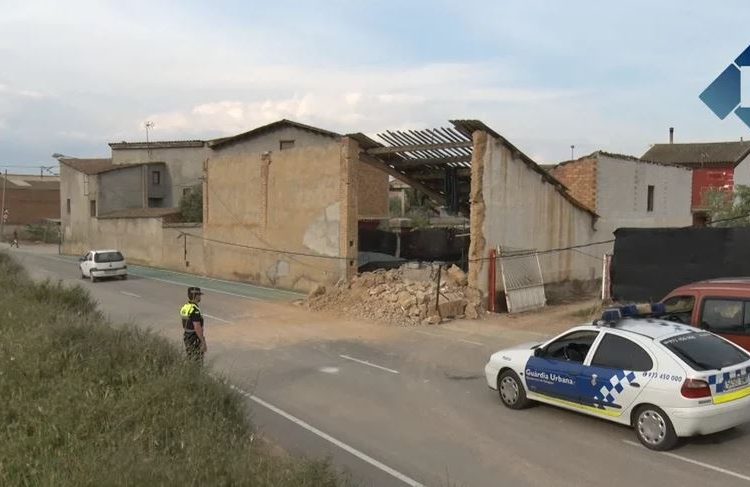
(714, 165)
(628, 192)
(30, 199)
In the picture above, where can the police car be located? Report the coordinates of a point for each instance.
(665, 379)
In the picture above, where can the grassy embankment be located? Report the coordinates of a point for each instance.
(86, 403)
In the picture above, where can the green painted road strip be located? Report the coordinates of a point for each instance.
(210, 284)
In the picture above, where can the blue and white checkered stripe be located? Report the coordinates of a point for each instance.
(717, 381)
(611, 389)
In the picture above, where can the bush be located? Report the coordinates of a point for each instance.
(43, 232)
(191, 205)
(86, 403)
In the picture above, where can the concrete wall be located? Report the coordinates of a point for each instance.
(292, 201)
(121, 189)
(77, 226)
(580, 178)
(514, 207)
(148, 241)
(184, 167)
(623, 193)
(742, 172)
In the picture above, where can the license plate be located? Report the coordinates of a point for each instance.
(736, 382)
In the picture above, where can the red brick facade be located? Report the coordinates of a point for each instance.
(31, 203)
(580, 178)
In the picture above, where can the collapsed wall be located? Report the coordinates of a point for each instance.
(405, 296)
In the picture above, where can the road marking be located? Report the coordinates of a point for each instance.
(61, 259)
(203, 288)
(362, 456)
(216, 318)
(329, 370)
(365, 362)
(132, 295)
(448, 338)
(195, 276)
(696, 462)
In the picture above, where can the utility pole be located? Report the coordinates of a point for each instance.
(148, 126)
(572, 151)
(2, 212)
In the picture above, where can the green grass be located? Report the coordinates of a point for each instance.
(85, 403)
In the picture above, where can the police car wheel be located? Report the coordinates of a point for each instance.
(511, 390)
(654, 429)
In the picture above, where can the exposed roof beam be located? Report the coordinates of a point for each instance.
(432, 161)
(378, 164)
(462, 173)
(419, 147)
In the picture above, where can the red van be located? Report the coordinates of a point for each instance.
(721, 306)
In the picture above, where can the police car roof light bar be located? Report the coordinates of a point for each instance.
(611, 316)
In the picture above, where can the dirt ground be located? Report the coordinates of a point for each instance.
(269, 325)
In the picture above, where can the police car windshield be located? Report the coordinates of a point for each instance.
(108, 257)
(704, 351)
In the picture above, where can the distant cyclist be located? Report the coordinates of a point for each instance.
(15, 239)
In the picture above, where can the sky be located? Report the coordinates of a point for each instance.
(613, 76)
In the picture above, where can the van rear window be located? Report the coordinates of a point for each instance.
(704, 351)
(108, 257)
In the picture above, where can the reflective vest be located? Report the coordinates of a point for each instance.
(188, 310)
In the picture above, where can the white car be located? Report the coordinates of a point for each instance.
(665, 379)
(97, 264)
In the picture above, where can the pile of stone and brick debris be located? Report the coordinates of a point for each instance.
(404, 296)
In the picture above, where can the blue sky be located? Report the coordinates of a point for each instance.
(75, 75)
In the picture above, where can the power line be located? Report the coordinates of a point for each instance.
(263, 249)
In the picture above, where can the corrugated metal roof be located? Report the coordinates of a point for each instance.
(141, 213)
(224, 141)
(162, 144)
(31, 182)
(87, 166)
(698, 153)
(99, 166)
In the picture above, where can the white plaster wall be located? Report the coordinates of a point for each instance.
(525, 212)
(622, 194)
(742, 172)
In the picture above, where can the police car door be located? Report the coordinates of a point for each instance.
(556, 368)
(615, 375)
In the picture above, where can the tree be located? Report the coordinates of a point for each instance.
(191, 205)
(729, 209)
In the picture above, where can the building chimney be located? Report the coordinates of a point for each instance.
(671, 135)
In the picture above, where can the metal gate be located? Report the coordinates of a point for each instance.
(522, 279)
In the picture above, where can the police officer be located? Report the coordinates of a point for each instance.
(192, 324)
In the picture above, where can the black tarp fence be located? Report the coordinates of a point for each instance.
(648, 263)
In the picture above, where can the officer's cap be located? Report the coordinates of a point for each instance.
(194, 291)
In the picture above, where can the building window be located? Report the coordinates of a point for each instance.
(67, 205)
(650, 200)
(92, 207)
(286, 144)
(156, 178)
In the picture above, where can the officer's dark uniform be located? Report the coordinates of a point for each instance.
(191, 313)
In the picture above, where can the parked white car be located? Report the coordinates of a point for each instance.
(98, 264)
(665, 379)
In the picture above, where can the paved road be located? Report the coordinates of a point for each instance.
(400, 406)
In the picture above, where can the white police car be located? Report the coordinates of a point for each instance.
(665, 379)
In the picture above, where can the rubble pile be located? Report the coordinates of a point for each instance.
(403, 296)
